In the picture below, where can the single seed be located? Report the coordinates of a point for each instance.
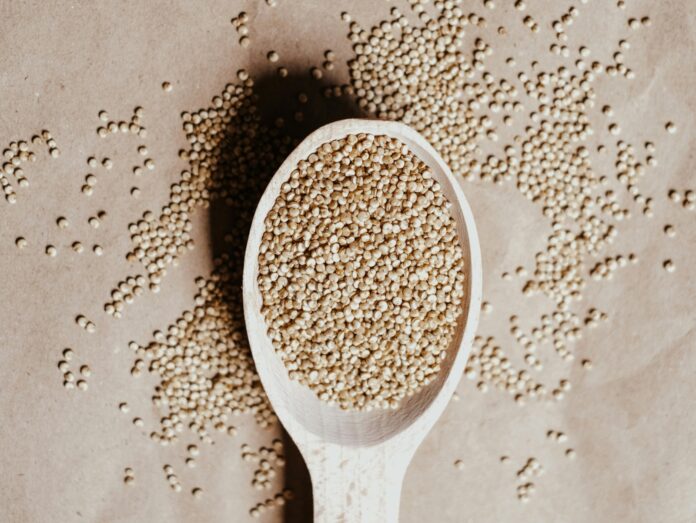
(21, 242)
(81, 384)
(77, 247)
(670, 231)
(674, 195)
(669, 266)
(98, 250)
(51, 251)
(197, 493)
(570, 453)
(123, 407)
(166, 87)
(671, 127)
(273, 57)
(459, 464)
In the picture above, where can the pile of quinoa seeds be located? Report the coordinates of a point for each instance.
(362, 297)
(361, 273)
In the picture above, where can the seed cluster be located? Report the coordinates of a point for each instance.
(279, 500)
(361, 273)
(109, 127)
(70, 380)
(172, 478)
(128, 476)
(15, 156)
(489, 364)
(687, 198)
(532, 467)
(204, 365)
(268, 461)
(230, 156)
(240, 23)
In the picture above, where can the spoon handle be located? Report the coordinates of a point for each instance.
(356, 485)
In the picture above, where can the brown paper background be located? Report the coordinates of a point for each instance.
(62, 453)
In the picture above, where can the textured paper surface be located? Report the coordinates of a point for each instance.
(62, 453)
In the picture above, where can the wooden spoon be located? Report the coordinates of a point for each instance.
(357, 460)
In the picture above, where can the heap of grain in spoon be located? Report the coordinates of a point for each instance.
(361, 273)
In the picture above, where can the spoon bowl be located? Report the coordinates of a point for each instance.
(357, 459)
